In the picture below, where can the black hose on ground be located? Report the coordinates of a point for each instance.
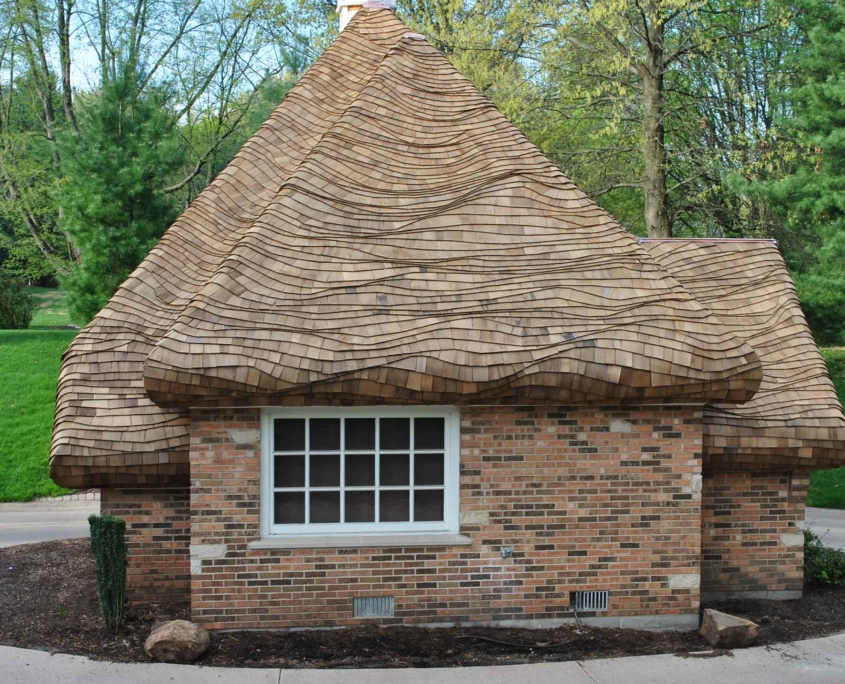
(529, 647)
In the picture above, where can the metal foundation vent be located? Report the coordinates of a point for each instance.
(589, 600)
(372, 606)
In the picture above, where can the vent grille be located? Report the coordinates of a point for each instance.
(589, 600)
(372, 606)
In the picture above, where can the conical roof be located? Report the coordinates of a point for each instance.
(386, 237)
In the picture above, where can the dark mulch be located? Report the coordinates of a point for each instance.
(48, 601)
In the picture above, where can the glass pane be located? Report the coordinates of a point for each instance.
(395, 470)
(289, 471)
(428, 469)
(325, 507)
(360, 470)
(289, 435)
(360, 434)
(428, 433)
(325, 434)
(428, 504)
(289, 508)
(395, 433)
(394, 506)
(325, 471)
(360, 507)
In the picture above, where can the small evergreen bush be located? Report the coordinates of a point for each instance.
(109, 548)
(17, 307)
(822, 564)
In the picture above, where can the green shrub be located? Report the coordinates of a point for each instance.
(822, 564)
(109, 548)
(17, 307)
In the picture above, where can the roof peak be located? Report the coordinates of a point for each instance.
(347, 9)
(424, 251)
(386, 237)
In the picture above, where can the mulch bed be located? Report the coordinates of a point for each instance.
(48, 601)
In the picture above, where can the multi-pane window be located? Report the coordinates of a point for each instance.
(337, 471)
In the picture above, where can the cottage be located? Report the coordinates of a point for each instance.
(392, 366)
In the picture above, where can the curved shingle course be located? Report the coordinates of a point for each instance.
(795, 419)
(425, 252)
(386, 237)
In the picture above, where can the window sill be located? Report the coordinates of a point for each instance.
(358, 541)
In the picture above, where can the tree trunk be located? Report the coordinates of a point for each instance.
(656, 211)
(65, 11)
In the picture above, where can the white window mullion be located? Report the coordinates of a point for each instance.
(307, 471)
(342, 470)
(411, 472)
(378, 470)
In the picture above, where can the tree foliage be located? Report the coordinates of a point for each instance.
(212, 58)
(17, 306)
(808, 196)
(112, 195)
(714, 118)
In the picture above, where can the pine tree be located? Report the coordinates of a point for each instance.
(112, 198)
(813, 197)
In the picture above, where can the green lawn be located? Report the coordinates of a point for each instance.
(52, 310)
(827, 487)
(29, 366)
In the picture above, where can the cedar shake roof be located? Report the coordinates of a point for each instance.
(386, 237)
(795, 419)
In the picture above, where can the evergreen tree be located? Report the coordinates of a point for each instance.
(114, 172)
(812, 198)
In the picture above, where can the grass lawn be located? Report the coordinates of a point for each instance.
(827, 487)
(29, 366)
(52, 310)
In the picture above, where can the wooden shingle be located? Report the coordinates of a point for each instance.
(386, 237)
(795, 419)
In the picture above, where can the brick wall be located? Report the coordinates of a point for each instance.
(158, 538)
(587, 498)
(750, 544)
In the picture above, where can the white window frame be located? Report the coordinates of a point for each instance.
(451, 471)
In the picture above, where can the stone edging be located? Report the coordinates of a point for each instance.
(81, 495)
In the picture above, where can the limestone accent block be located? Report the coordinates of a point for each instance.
(792, 539)
(475, 517)
(245, 436)
(620, 426)
(691, 581)
(200, 552)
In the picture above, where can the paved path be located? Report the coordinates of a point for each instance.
(829, 524)
(36, 522)
(816, 661)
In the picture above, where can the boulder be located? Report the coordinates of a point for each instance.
(726, 631)
(177, 641)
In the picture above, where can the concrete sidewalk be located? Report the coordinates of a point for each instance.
(816, 661)
(829, 524)
(27, 523)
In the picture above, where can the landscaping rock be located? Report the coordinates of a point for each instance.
(177, 641)
(726, 631)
